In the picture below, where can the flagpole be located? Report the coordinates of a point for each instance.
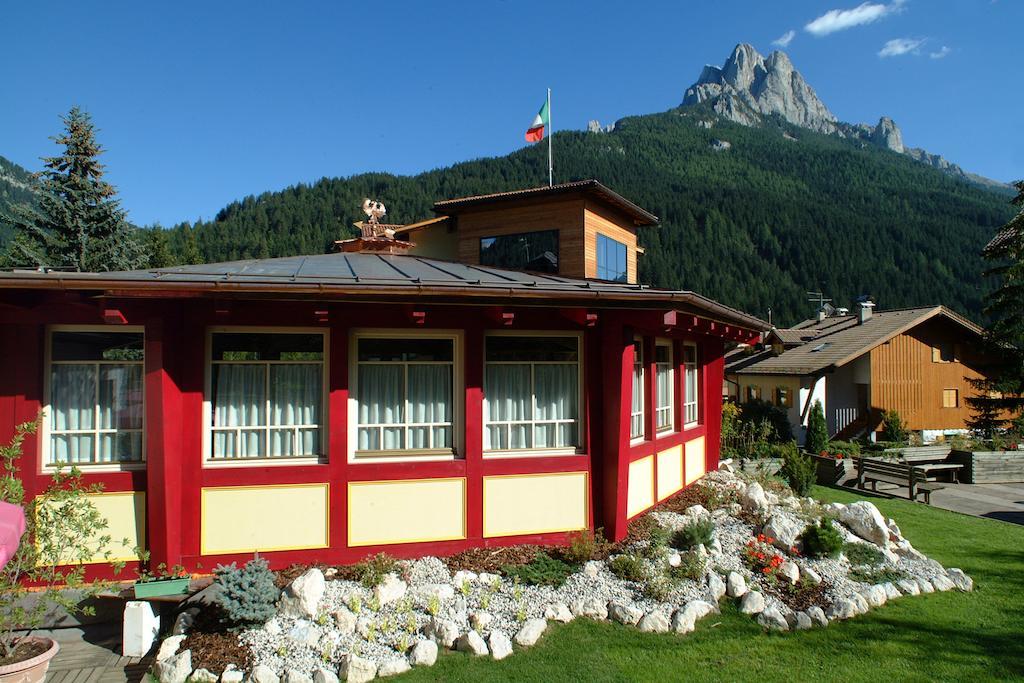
(551, 172)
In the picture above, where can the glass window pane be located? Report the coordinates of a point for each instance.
(496, 437)
(611, 259)
(253, 443)
(520, 436)
(120, 400)
(394, 438)
(72, 448)
(224, 445)
(556, 391)
(502, 348)
(442, 437)
(240, 346)
(381, 394)
(96, 346)
(72, 397)
(662, 353)
(295, 394)
(124, 447)
(507, 393)
(369, 439)
(419, 437)
(282, 442)
(401, 350)
(536, 251)
(239, 395)
(309, 442)
(430, 394)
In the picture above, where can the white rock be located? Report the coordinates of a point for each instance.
(654, 622)
(891, 592)
(500, 644)
(591, 608)
(390, 589)
(789, 571)
(486, 579)
(423, 653)
(904, 549)
(262, 673)
(205, 676)
(833, 509)
(480, 620)
(624, 613)
(812, 576)
(862, 604)
(685, 619)
(393, 667)
(697, 512)
(800, 621)
(864, 519)
(237, 676)
(701, 552)
(292, 676)
(674, 559)
(925, 585)
(304, 633)
(174, 669)
(716, 587)
(357, 670)
(273, 626)
(330, 573)
(942, 583)
(364, 625)
(183, 622)
(908, 587)
(962, 581)
(716, 545)
(591, 568)
(753, 498)
(169, 647)
(442, 631)
(345, 621)
(472, 643)
(530, 632)
(735, 585)
(422, 595)
(894, 530)
(462, 577)
(558, 611)
(817, 615)
(843, 609)
(783, 528)
(302, 596)
(323, 675)
(752, 603)
(772, 618)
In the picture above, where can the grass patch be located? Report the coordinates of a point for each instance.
(874, 576)
(862, 554)
(943, 636)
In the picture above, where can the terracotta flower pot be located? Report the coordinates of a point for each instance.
(31, 670)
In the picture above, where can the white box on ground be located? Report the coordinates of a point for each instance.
(141, 626)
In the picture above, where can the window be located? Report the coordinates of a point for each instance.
(944, 352)
(753, 392)
(664, 410)
(783, 397)
(950, 398)
(267, 394)
(611, 259)
(636, 415)
(536, 251)
(95, 396)
(690, 414)
(532, 392)
(405, 394)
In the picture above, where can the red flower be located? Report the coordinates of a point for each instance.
(839, 456)
(824, 454)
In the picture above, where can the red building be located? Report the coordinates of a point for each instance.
(326, 407)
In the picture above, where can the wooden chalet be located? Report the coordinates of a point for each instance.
(493, 376)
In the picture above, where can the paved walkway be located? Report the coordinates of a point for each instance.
(93, 655)
(995, 501)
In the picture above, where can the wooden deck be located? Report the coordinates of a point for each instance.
(93, 655)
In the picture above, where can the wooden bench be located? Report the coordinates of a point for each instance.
(932, 460)
(912, 477)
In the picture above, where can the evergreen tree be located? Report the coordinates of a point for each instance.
(893, 428)
(189, 254)
(77, 222)
(1000, 402)
(158, 248)
(817, 430)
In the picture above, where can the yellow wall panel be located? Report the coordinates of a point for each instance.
(382, 512)
(670, 471)
(535, 503)
(244, 519)
(694, 460)
(640, 489)
(125, 513)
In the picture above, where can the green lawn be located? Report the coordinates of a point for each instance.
(952, 636)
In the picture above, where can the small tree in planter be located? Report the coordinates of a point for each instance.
(817, 430)
(63, 532)
(893, 428)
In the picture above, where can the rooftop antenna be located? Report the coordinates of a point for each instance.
(818, 298)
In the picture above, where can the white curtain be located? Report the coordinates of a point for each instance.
(636, 425)
(295, 398)
(557, 398)
(381, 401)
(239, 401)
(72, 402)
(508, 399)
(120, 407)
(430, 396)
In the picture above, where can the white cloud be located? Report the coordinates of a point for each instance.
(785, 39)
(842, 19)
(900, 46)
(940, 53)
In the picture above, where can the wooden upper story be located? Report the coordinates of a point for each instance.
(580, 230)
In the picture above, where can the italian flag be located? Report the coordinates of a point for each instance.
(535, 133)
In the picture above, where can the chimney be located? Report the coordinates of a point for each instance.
(864, 310)
(821, 314)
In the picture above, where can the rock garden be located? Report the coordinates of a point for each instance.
(787, 561)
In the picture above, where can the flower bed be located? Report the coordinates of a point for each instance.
(740, 542)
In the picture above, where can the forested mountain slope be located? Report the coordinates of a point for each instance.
(16, 187)
(783, 210)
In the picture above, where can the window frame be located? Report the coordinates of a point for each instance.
(495, 236)
(671, 407)
(534, 451)
(457, 451)
(937, 352)
(639, 361)
(45, 427)
(265, 461)
(779, 391)
(696, 367)
(956, 398)
(597, 257)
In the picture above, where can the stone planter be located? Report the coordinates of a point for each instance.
(153, 589)
(990, 467)
(761, 466)
(31, 670)
(832, 471)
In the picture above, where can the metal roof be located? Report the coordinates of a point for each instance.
(837, 340)
(590, 187)
(371, 276)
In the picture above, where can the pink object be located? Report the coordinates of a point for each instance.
(12, 526)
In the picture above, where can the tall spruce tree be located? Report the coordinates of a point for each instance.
(158, 248)
(77, 222)
(1000, 400)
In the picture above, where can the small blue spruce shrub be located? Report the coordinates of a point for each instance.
(247, 595)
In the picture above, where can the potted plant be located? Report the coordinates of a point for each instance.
(835, 462)
(162, 581)
(63, 531)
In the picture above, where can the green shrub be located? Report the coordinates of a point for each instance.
(692, 567)
(759, 411)
(585, 545)
(693, 534)
(657, 538)
(798, 470)
(628, 568)
(863, 554)
(893, 428)
(371, 571)
(876, 575)
(248, 595)
(542, 570)
(821, 540)
(817, 430)
(847, 449)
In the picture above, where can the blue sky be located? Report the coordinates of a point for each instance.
(203, 103)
